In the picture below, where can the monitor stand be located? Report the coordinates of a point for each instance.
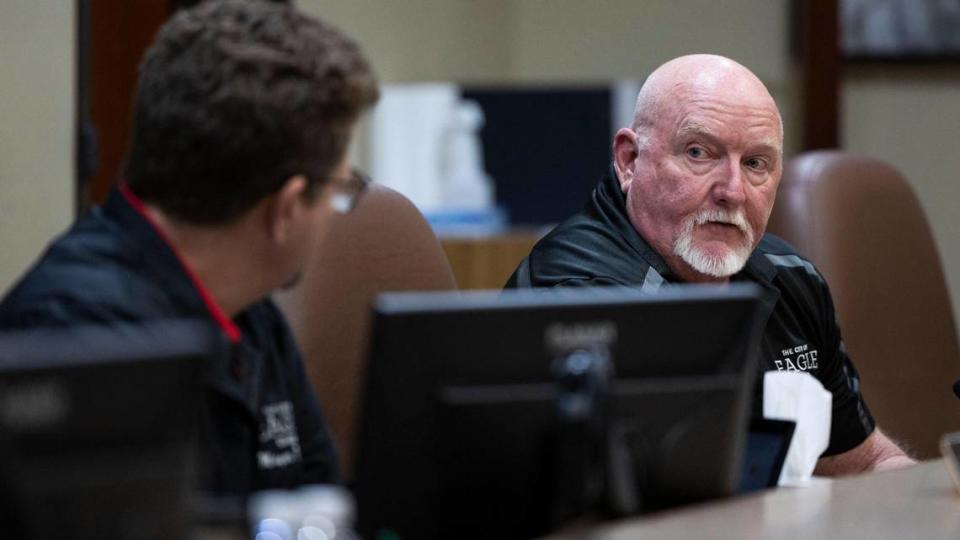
(582, 405)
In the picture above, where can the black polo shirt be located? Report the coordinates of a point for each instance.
(261, 423)
(599, 246)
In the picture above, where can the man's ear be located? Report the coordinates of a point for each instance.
(625, 156)
(283, 208)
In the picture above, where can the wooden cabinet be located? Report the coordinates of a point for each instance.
(486, 262)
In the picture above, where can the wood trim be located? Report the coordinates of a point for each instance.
(822, 71)
(120, 32)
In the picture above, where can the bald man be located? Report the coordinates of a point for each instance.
(687, 199)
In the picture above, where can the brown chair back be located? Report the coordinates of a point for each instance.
(859, 221)
(384, 244)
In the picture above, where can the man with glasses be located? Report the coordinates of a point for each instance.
(242, 118)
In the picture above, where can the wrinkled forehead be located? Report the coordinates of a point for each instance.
(715, 109)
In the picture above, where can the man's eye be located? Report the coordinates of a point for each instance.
(696, 152)
(756, 164)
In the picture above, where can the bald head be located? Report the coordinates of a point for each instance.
(698, 78)
(701, 164)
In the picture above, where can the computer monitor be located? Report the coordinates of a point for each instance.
(97, 428)
(505, 416)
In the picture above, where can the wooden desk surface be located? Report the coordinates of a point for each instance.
(909, 504)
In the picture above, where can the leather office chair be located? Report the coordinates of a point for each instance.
(859, 221)
(384, 244)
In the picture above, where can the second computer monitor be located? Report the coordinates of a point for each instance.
(503, 416)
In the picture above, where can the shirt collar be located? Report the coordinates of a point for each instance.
(129, 211)
(611, 197)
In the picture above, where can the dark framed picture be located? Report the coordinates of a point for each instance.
(900, 29)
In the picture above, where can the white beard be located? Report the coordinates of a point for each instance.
(721, 266)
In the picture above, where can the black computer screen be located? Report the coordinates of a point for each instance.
(97, 428)
(505, 416)
(568, 168)
(766, 449)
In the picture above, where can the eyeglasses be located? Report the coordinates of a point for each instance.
(347, 192)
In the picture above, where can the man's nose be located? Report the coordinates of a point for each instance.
(729, 188)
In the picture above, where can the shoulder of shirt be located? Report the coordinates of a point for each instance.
(82, 277)
(582, 249)
(788, 263)
(264, 322)
(264, 311)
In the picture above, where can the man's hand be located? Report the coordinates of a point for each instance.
(876, 453)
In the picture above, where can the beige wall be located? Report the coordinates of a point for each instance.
(910, 117)
(556, 40)
(573, 40)
(426, 40)
(36, 128)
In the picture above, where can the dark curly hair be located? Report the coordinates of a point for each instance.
(234, 98)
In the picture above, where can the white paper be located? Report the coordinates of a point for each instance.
(799, 397)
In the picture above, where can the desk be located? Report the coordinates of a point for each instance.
(908, 504)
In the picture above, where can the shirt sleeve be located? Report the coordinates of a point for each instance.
(851, 422)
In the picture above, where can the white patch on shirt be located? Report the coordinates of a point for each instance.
(278, 426)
